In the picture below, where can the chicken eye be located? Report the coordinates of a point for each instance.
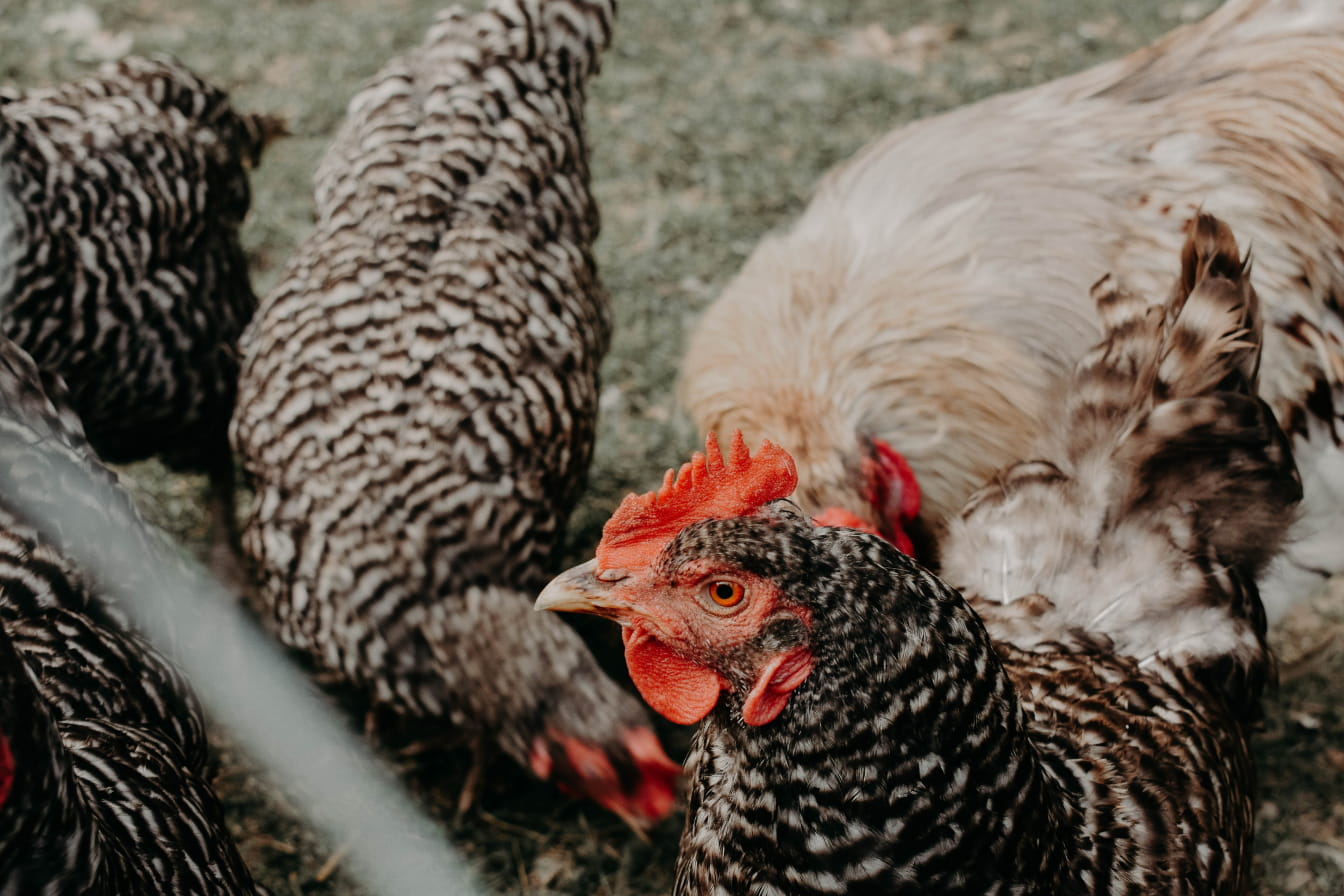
(725, 594)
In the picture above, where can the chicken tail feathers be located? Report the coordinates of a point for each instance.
(1161, 495)
(1176, 383)
(1215, 337)
(565, 37)
(1204, 339)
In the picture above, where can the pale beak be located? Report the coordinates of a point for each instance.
(579, 590)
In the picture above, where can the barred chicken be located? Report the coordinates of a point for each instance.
(102, 744)
(1067, 715)
(417, 403)
(121, 196)
(934, 289)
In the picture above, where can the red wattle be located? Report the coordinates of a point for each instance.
(583, 769)
(591, 766)
(777, 682)
(897, 468)
(676, 688)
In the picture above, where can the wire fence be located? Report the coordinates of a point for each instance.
(247, 684)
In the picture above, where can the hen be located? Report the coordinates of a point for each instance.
(935, 286)
(866, 730)
(102, 745)
(121, 196)
(418, 396)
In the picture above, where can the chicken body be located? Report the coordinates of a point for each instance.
(1074, 721)
(418, 396)
(102, 745)
(934, 293)
(926, 758)
(121, 196)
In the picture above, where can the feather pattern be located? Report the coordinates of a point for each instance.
(933, 293)
(121, 196)
(105, 740)
(1172, 483)
(418, 394)
(1068, 713)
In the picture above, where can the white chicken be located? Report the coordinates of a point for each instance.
(932, 299)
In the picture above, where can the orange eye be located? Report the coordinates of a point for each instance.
(725, 594)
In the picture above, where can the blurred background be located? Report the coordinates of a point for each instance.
(708, 126)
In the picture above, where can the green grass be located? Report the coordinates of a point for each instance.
(709, 125)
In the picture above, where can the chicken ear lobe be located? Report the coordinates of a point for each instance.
(676, 688)
(777, 681)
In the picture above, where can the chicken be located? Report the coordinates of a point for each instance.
(934, 288)
(418, 395)
(102, 744)
(866, 730)
(121, 196)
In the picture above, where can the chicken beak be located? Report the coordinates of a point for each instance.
(579, 590)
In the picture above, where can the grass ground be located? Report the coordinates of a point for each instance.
(708, 126)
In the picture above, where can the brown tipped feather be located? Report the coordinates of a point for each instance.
(1164, 445)
(1207, 336)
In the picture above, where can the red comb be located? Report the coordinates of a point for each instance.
(706, 488)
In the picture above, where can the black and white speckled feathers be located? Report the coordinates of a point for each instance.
(121, 196)
(901, 762)
(1089, 736)
(418, 396)
(105, 741)
(923, 757)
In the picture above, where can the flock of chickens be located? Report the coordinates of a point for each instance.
(1141, 376)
